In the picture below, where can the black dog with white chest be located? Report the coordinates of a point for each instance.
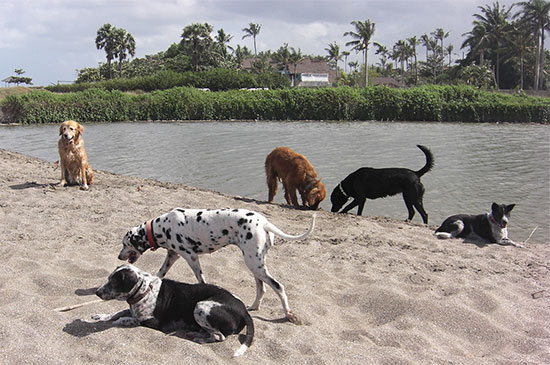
(207, 312)
(370, 183)
(490, 227)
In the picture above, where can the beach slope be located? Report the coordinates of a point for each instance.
(368, 290)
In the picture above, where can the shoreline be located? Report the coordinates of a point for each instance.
(368, 289)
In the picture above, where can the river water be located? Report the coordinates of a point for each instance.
(475, 164)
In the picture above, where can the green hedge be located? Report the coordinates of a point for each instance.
(215, 80)
(429, 103)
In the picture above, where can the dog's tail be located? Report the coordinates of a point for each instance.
(272, 229)
(429, 161)
(249, 335)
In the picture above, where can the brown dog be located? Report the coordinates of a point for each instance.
(72, 156)
(296, 173)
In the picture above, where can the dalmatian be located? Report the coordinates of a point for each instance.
(192, 232)
(210, 312)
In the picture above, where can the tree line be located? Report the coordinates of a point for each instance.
(504, 49)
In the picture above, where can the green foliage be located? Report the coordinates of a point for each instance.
(215, 80)
(427, 103)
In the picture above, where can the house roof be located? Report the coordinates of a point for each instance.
(304, 66)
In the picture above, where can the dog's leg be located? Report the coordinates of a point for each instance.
(360, 202)
(260, 291)
(112, 317)
(205, 312)
(171, 257)
(288, 194)
(193, 261)
(83, 178)
(271, 185)
(63, 181)
(260, 273)
(450, 230)
(420, 207)
(409, 208)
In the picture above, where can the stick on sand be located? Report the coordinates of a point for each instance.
(524, 242)
(71, 307)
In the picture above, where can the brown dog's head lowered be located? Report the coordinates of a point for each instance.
(313, 194)
(70, 131)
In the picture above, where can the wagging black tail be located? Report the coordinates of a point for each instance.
(429, 161)
(249, 336)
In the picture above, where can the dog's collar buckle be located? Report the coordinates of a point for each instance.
(342, 190)
(150, 235)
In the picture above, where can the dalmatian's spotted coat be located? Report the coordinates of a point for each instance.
(192, 232)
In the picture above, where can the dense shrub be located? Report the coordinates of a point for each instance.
(215, 80)
(428, 103)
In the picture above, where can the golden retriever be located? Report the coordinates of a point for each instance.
(72, 156)
(296, 173)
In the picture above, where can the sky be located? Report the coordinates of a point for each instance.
(51, 39)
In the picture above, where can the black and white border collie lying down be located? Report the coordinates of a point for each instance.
(207, 312)
(490, 227)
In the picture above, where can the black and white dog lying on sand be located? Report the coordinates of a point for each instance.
(193, 232)
(491, 227)
(369, 183)
(207, 312)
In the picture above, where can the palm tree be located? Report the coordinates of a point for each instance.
(334, 54)
(223, 39)
(282, 57)
(252, 31)
(362, 35)
(105, 39)
(520, 43)
(478, 41)
(449, 50)
(401, 52)
(440, 35)
(536, 13)
(345, 54)
(413, 42)
(196, 42)
(125, 44)
(295, 58)
(384, 53)
(240, 54)
(495, 20)
(426, 42)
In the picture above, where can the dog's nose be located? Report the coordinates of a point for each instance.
(98, 292)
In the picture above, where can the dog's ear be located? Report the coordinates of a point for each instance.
(61, 128)
(509, 208)
(494, 206)
(79, 130)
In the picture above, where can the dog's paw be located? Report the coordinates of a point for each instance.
(84, 187)
(101, 317)
(293, 318)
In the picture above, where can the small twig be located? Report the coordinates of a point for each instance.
(71, 307)
(534, 229)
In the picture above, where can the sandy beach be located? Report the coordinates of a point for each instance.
(369, 290)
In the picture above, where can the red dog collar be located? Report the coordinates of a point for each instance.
(150, 235)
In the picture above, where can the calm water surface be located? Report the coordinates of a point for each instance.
(475, 164)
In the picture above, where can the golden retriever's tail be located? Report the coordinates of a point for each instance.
(272, 229)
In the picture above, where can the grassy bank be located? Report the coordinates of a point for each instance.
(428, 103)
